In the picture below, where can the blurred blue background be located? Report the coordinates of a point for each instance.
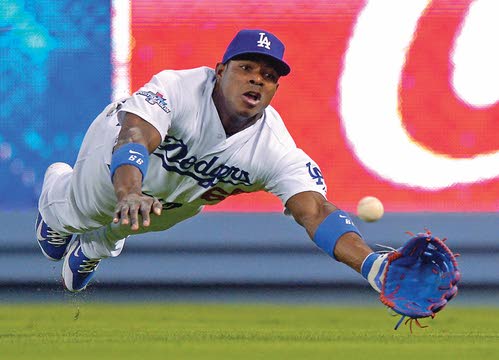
(55, 77)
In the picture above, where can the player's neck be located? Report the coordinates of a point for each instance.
(233, 125)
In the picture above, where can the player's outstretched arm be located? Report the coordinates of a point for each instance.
(136, 140)
(330, 228)
(416, 280)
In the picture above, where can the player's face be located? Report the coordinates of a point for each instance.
(247, 86)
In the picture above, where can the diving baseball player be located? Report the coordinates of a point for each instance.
(188, 139)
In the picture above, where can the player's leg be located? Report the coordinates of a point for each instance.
(52, 242)
(90, 248)
(79, 200)
(85, 254)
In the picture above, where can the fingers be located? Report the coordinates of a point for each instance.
(145, 209)
(116, 217)
(128, 211)
(124, 214)
(121, 214)
(134, 217)
(157, 207)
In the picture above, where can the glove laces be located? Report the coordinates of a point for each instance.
(410, 321)
(387, 249)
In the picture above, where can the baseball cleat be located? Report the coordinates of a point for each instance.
(52, 244)
(78, 269)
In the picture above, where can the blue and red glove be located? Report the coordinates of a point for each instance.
(416, 280)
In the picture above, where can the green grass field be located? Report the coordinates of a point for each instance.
(168, 331)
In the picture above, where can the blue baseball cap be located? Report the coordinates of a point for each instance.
(258, 42)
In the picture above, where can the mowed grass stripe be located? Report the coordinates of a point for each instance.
(147, 331)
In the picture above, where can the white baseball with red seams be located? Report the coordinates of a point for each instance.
(370, 209)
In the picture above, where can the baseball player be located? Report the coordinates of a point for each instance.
(187, 139)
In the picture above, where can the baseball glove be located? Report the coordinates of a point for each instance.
(420, 278)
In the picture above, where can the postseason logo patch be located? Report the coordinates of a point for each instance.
(155, 98)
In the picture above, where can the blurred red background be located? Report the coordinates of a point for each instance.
(187, 34)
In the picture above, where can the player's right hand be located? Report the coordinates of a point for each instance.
(129, 208)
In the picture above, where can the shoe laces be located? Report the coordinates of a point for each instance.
(56, 239)
(89, 266)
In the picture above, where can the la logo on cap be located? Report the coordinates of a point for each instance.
(264, 41)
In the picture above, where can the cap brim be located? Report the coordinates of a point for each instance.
(281, 67)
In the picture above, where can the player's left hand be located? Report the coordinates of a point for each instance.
(132, 205)
(420, 278)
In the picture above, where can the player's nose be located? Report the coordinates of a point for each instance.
(256, 80)
(256, 77)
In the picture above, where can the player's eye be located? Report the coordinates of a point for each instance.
(271, 77)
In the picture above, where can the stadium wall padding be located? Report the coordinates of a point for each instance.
(239, 249)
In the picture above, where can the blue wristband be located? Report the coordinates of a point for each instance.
(131, 154)
(367, 264)
(331, 229)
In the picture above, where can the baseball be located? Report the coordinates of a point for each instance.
(370, 209)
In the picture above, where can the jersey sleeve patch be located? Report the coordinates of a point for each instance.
(155, 99)
(298, 173)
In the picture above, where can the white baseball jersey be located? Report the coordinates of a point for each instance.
(196, 163)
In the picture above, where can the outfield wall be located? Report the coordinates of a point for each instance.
(237, 250)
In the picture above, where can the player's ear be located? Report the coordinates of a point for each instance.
(219, 69)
